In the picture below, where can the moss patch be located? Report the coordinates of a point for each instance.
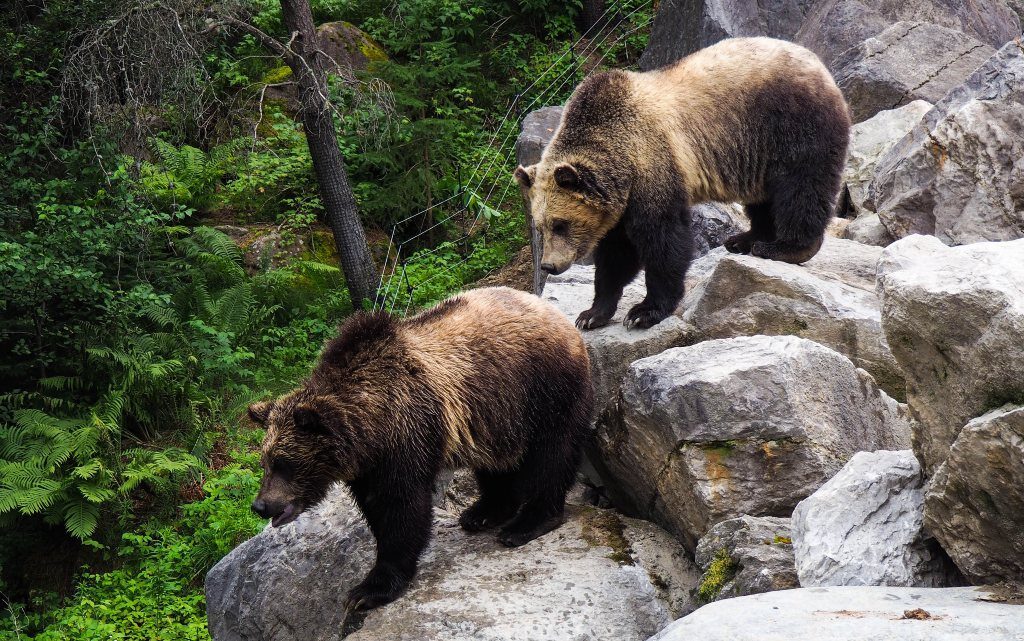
(721, 570)
(605, 528)
(782, 540)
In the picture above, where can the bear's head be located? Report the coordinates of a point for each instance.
(572, 206)
(307, 448)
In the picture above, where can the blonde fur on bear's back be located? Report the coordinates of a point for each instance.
(703, 103)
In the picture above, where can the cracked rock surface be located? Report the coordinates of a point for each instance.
(906, 62)
(959, 175)
(864, 527)
(748, 425)
(757, 554)
(979, 518)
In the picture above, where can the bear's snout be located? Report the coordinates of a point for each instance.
(260, 508)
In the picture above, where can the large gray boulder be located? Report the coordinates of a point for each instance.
(847, 613)
(864, 527)
(954, 318)
(907, 61)
(613, 347)
(869, 141)
(959, 174)
(745, 555)
(599, 576)
(975, 501)
(684, 26)
(830, 300)
(748, 425)
(834, 26)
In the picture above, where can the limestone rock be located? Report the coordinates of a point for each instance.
(834, 26)
(869, 141)
(864, 527)
(906, 62)
(953, 317)
(861, 613)
(537, 131)
(746, 555)
(747, 425)
(869, 230)
(830, 300)
(975, 502)
(959, 174)
(599, 576)
(713, 224)
(613, 347)
(684, 26)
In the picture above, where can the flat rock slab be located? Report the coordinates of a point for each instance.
(853, 613)
(599, 576)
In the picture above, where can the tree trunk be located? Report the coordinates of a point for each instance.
(590, 13)
(339, 202)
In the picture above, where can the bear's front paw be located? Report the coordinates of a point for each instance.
(378, 588)
(740, 243)
(644, 315)
(592, 319)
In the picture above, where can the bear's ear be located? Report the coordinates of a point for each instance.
(525, 175)
(307, 419)
(260, 412)
(580, 179)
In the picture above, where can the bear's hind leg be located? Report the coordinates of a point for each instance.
(497, 504)
(548, 470)
(801, 210)
(761, 229)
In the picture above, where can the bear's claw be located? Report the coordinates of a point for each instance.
(740, 243)
(591, 319)
(643, 316)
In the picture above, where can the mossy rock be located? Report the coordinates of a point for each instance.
(349, 46)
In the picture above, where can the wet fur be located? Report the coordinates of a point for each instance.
(752, 120)
(494, 379)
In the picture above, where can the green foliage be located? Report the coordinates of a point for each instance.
(721, 570)
(155, 593)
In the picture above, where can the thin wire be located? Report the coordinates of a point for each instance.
(565, 75)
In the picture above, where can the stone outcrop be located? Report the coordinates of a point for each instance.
(953, 317)
(975, 501)
(959, 175)
(869, 141)
(830, 300)
(748, 425)
(745, 555)
(605, 575)
(864, 527)
(906, 62)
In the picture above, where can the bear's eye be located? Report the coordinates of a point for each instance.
(560, 227)
(283, 467)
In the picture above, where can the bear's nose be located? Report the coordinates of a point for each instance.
(548, 267)
(260, 508)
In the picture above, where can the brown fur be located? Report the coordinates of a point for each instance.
(752, 120)
(494, 379)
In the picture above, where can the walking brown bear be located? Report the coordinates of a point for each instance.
(751, 120)
(494, 379)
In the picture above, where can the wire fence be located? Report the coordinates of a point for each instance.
(472, 201)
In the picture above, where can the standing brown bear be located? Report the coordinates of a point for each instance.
(494, 379)
(752, 120)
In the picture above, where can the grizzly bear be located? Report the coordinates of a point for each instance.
(494, 379)
(751, 120)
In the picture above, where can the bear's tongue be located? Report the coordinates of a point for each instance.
(284, 517)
